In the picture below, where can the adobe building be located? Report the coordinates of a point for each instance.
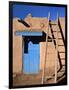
(36, 49)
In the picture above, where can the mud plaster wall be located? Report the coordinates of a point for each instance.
(17, 40)
(17, 51)
(41, 24)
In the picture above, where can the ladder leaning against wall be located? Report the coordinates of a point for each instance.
(44, 77)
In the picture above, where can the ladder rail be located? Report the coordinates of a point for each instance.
(56, 43)
(56, 60)
(43, 74)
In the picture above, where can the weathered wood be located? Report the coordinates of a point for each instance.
(44, 66)
(56, 60)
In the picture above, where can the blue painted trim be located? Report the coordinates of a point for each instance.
(28, 33)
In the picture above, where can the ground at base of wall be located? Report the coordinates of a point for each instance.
(36, 79)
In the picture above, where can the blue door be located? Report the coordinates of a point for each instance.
(31, 58)
(31, 52)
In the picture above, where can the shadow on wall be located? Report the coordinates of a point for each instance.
(35, 40)
(63, 81)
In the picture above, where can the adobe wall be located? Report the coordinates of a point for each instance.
(17, 40)
(37, 24)
(17, 50)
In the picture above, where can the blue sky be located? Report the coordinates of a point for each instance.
(21, 11)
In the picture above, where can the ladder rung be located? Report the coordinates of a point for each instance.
(53, 23)
(63, 65)
(62, 70)
(52, 39)
(59, 38)
(61, 52)
(56, 31)
(60, 45)
(62, 58)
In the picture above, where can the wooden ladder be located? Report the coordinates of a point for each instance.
(47, 39)
(60, 49)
